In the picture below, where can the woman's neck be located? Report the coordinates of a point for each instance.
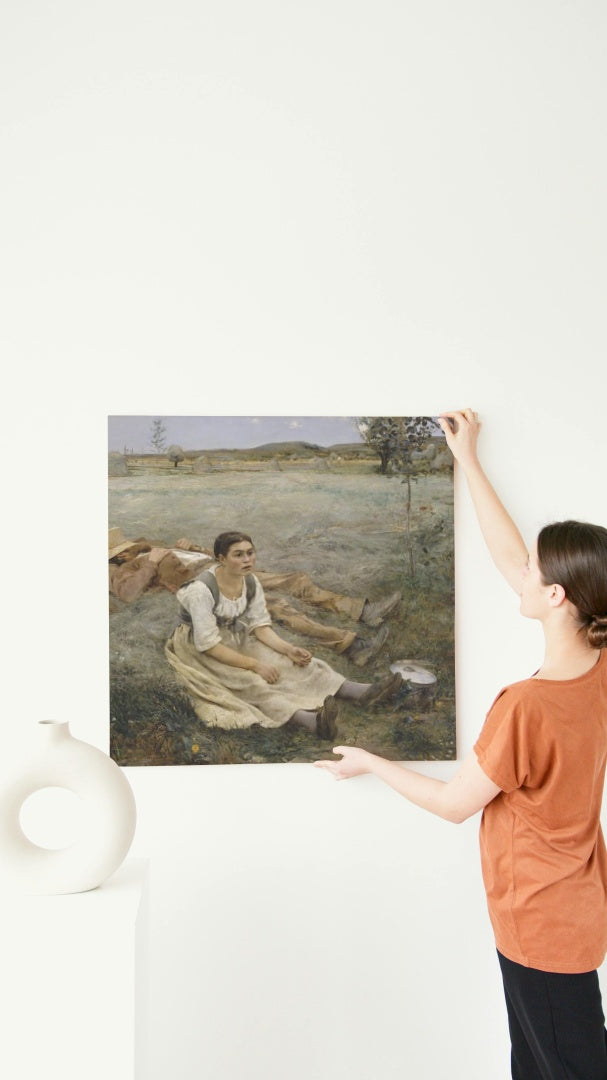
(230, 584)
(567, 654)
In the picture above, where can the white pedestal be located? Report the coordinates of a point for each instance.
(73, 981)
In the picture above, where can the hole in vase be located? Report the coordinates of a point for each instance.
(52, 818)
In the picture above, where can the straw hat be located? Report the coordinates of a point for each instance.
(117, 542)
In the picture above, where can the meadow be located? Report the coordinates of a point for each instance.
(346, 526)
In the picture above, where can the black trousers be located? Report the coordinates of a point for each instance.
(557, 1026)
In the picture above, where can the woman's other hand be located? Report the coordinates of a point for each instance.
(267, 672)
(301, 657)
(461, 430)
(354, 762)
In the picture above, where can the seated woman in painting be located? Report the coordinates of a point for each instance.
(237, 669)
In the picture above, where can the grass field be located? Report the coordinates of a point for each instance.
(346, 527)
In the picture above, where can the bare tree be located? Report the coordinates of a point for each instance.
(158, 435)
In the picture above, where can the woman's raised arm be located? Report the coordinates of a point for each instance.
(506, 545)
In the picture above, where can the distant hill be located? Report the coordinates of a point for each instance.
(358, 449)
(291, 449)
(297, 449)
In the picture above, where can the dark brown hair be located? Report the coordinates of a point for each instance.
(574, 554)
(224, 542)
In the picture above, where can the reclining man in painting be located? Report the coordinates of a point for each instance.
(136, 566)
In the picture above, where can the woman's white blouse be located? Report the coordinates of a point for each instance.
(197, 599)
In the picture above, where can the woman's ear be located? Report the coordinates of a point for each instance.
(557, 595)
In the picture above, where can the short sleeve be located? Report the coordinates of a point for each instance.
(197, 600)
(502, 748)
(257, 613)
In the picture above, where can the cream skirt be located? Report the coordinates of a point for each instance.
(230, 697)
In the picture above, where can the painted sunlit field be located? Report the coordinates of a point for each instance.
(346, 526)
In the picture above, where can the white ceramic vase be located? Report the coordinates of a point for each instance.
(108, 808)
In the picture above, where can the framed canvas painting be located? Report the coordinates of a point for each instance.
(278, 584)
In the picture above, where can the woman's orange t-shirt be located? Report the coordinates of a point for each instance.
(544, 743)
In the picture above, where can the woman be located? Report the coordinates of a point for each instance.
(237, 669)
(537, 772)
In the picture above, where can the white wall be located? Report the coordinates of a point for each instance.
(298, 208)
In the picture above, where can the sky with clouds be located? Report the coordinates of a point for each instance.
(229, 432)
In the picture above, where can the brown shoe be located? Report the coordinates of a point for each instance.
(384, 690)
(375, 612)
(364, 649)
(326, 721)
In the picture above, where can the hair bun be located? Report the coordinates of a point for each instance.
(597, 632)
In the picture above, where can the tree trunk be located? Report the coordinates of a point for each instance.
(408, 528)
